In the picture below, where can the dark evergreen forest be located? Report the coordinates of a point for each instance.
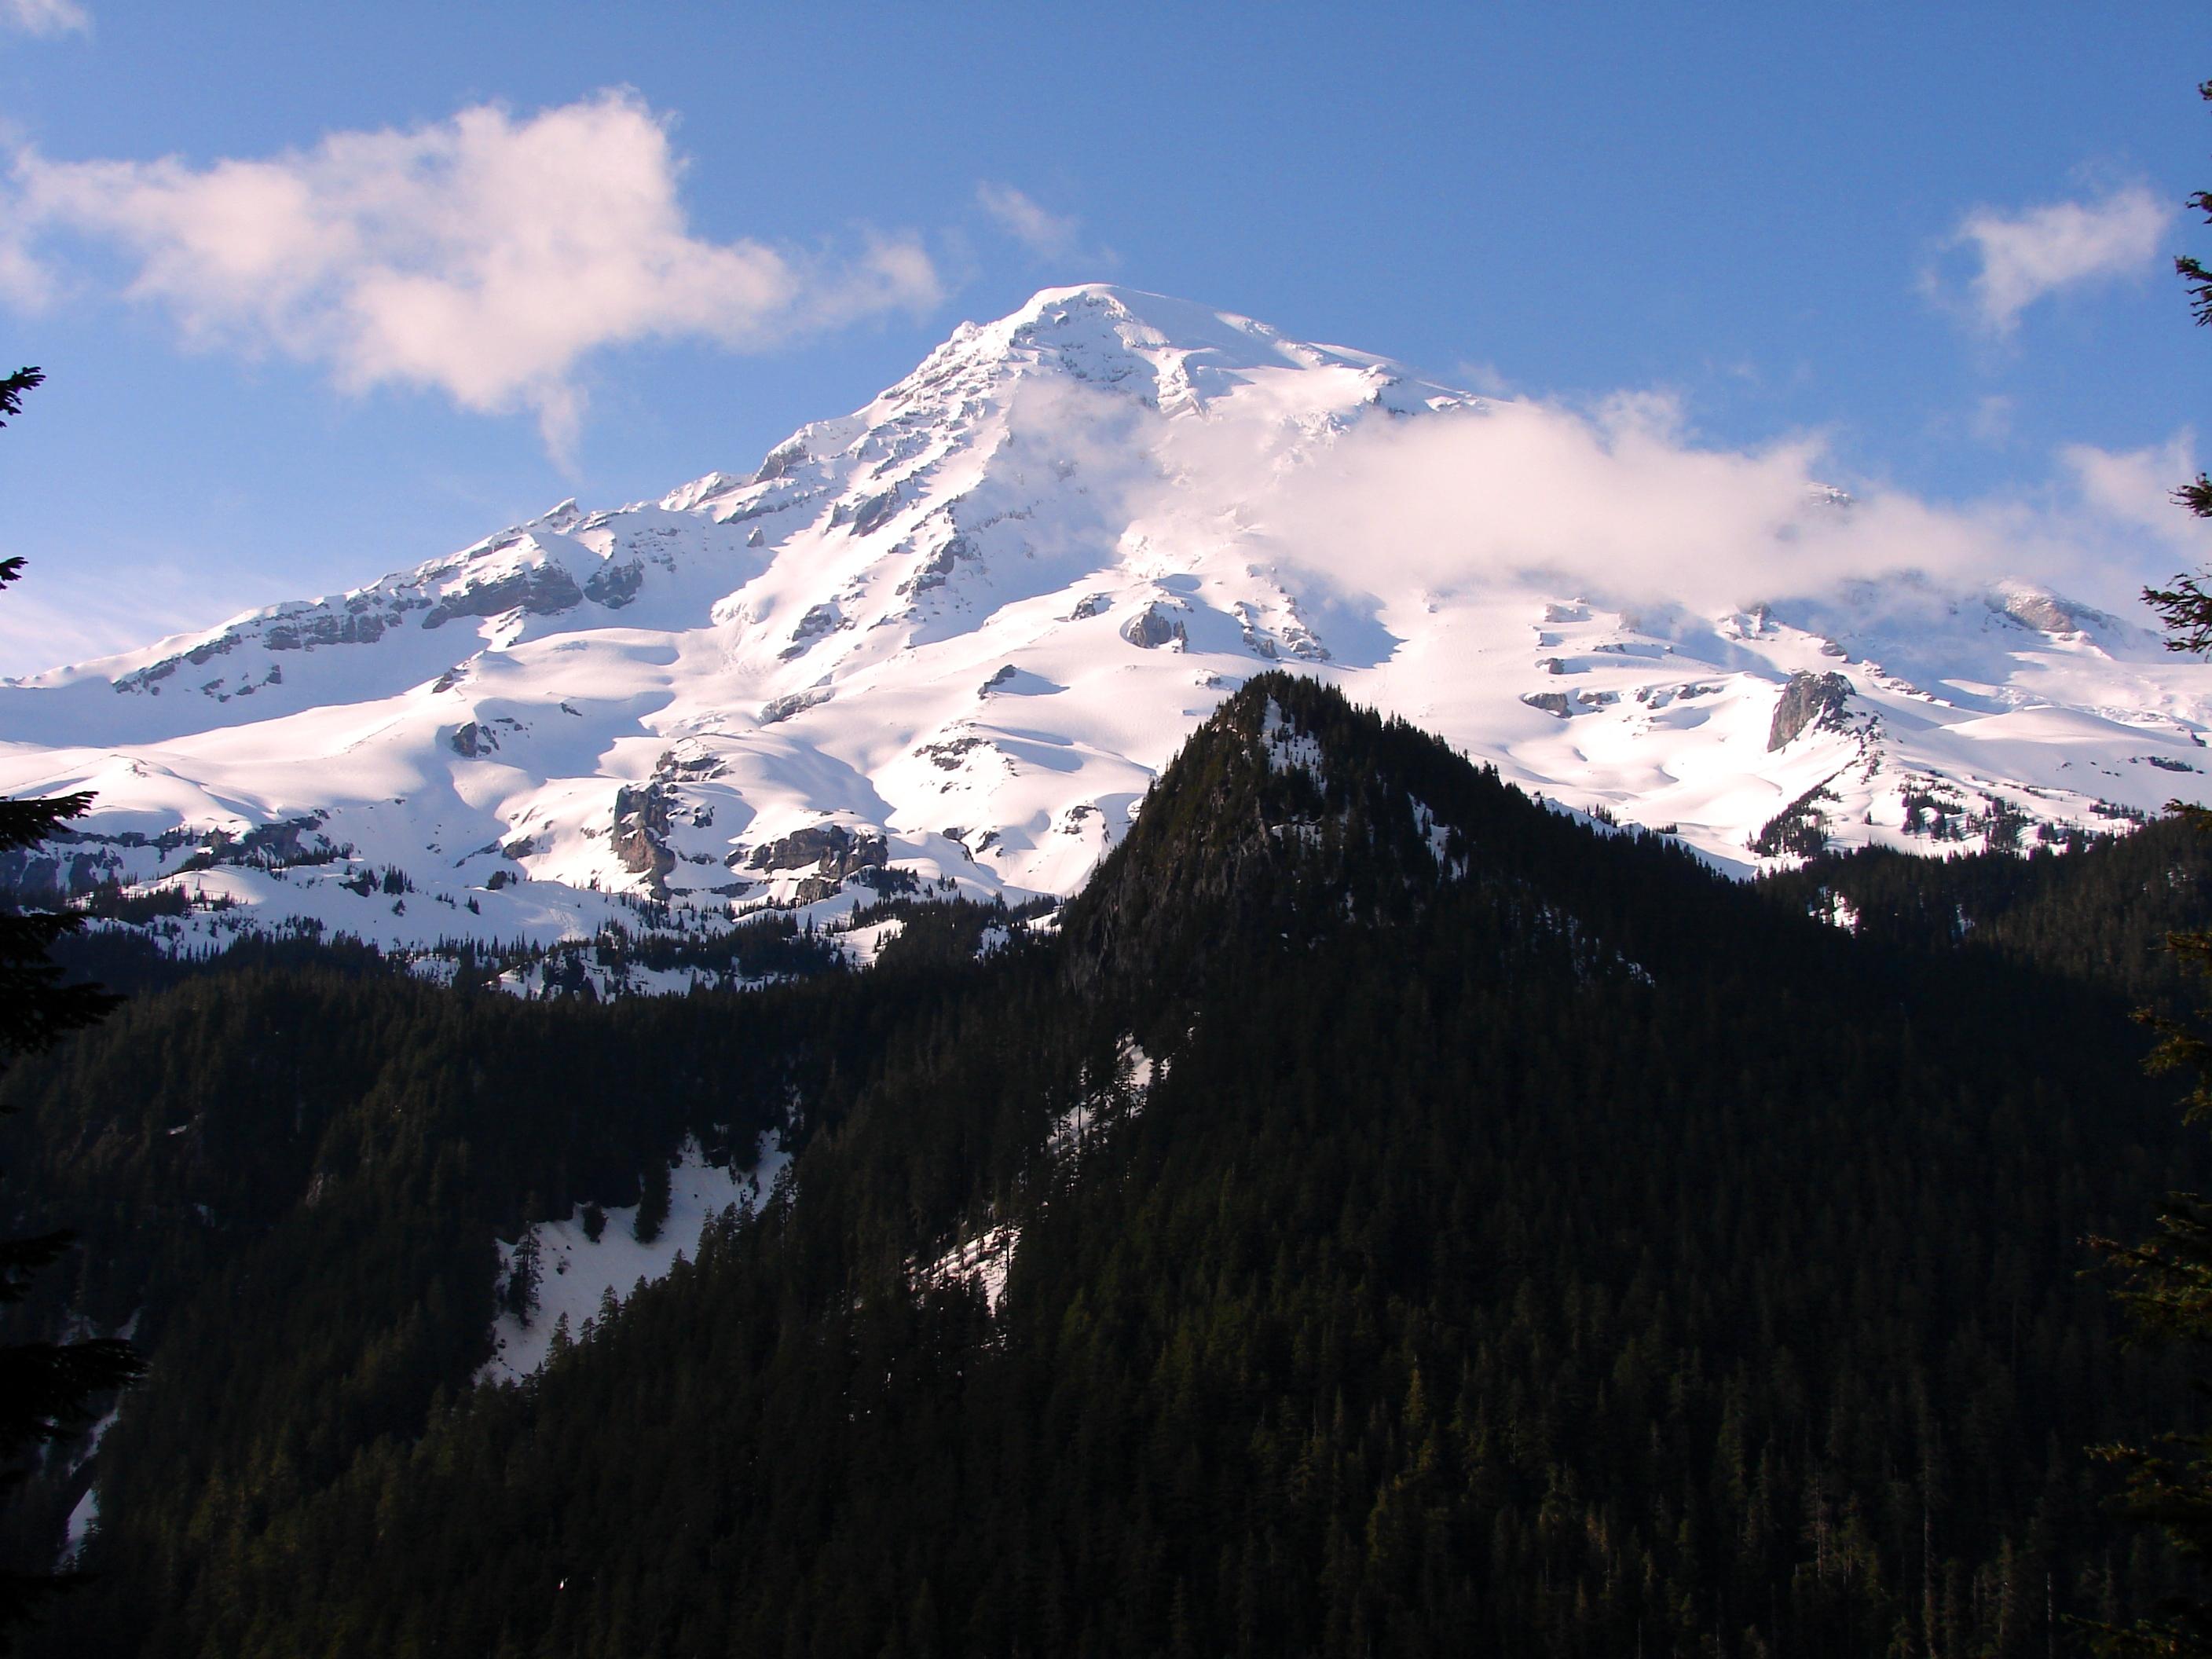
(1527, 1243)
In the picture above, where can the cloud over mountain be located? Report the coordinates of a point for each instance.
(484, 256)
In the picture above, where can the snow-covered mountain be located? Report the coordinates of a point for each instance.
(945, 642)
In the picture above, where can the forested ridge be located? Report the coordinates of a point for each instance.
(1475, 1231)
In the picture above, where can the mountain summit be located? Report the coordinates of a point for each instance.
(945, 641)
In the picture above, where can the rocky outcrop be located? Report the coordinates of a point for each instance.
(828, 852)
(776, 710)
(544, 590)
(1808, 700)
(865, 514)
(640, 832)
(819, 620)
(1153, 627)
(687, 762)
(363, 627)
(615, 585)
(830, 848)
(780, 461)
(937, 569)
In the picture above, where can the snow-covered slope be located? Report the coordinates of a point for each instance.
(947, 641)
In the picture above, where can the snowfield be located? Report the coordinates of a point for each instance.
(943, 644)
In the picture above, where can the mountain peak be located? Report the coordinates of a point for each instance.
(945, 642)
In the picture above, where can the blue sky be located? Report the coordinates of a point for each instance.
(1939, 239)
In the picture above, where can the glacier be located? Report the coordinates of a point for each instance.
(942, 645)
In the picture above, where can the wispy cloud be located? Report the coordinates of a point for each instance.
(45, 17)
(1480, 375)
(1047, 236)
(1991, 421)
(2021, 258)
(484, 256)
(2135, 487)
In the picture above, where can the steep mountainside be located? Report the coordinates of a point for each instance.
(1386, 1215)
(946, 642)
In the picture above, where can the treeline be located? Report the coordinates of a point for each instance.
(2097, 912)
(1580, 1257)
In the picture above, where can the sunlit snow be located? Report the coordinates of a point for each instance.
(965, 626)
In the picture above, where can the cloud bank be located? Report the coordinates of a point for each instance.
(1618, 504)
(2023, 256)
(483, 257)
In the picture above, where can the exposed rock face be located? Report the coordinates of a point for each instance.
(543, 591)
(869, 513)
(1154, 627)
(472, 740)
(1808, 699)
(1551, 702)
(2047, 613)
(354, 628)
(71, 863)
(641, 835)
(830, 851)
(820, 619)
(779, 461)
(937, 569)
(681, 762)
(615, 585)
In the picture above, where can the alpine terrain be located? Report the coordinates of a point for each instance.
(945, 644)
(1381, 1215)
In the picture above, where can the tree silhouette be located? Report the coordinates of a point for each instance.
(45, 1387)
(2168, 1284)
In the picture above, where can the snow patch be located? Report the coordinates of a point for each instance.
(1438, 836)
(575, 1272)
(982, 1262)
(82, 1519)
(1289, 749)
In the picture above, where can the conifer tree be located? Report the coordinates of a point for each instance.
(2167, 1285)
(2186, 607)
(45, 1387)
(653, 1202)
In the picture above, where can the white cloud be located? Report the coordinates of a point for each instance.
(1047, 236)
(45, 17)
(484, 256)
(2136, 487)
(2022, 257)
(1618, 503)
